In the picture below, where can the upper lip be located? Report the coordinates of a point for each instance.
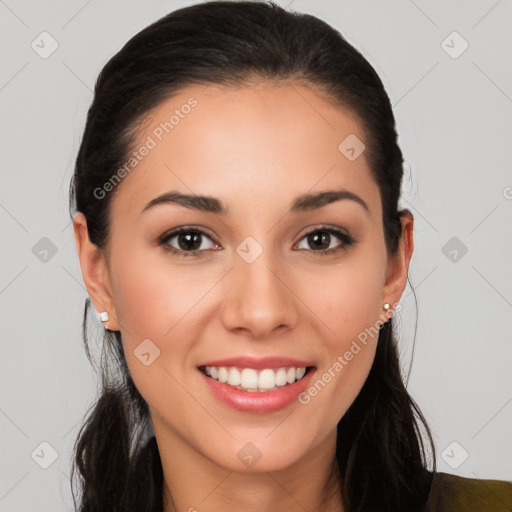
(259, 362)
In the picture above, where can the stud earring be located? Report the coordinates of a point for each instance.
(386, 306)
(104, 318)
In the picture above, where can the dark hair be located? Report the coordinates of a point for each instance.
(381, 460)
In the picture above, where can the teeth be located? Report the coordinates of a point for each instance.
(250, 379)
(267, 379)
(281, 377)
(223, 374)
(234, 377)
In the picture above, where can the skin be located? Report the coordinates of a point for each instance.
(255, 148)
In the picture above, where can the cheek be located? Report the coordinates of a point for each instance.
(141, 299)
(346, 297)
(156, 306)
(347, 302)
(350, 350)
(151, 295)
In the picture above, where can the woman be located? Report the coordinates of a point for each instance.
(235, 207)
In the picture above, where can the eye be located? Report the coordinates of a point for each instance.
(323, 240)
(186, 241)
(190, 241)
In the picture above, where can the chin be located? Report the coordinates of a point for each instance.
(260, 453)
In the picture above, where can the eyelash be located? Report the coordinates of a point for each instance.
(345, 238)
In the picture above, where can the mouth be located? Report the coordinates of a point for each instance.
(257, 385)
(255, 380)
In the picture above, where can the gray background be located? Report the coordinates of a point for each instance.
(454, 121)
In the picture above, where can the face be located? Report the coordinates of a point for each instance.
(258, 283)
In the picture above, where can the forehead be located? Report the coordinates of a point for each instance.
(247, 145)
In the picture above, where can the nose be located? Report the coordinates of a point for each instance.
(258, 300)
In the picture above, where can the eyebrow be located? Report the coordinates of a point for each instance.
(303, 203)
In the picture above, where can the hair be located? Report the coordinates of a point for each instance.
(381, 461)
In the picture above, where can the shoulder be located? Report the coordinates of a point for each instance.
(459, 494)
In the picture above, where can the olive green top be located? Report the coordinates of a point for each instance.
(451, 493)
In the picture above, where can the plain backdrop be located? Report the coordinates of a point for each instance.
(446, 67)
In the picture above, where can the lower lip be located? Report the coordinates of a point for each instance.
(258, 401)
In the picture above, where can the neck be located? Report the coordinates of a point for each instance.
(194, 483)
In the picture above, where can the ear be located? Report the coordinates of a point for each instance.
(94, 272)
(398, 263)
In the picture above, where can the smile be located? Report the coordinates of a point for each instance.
(257, 385)
(253, 380)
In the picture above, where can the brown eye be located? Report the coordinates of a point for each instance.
(326, 240)
(319, 240)
(190, 241)
(186, 241)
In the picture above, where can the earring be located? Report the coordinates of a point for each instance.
(386, 307)
(104, 318)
